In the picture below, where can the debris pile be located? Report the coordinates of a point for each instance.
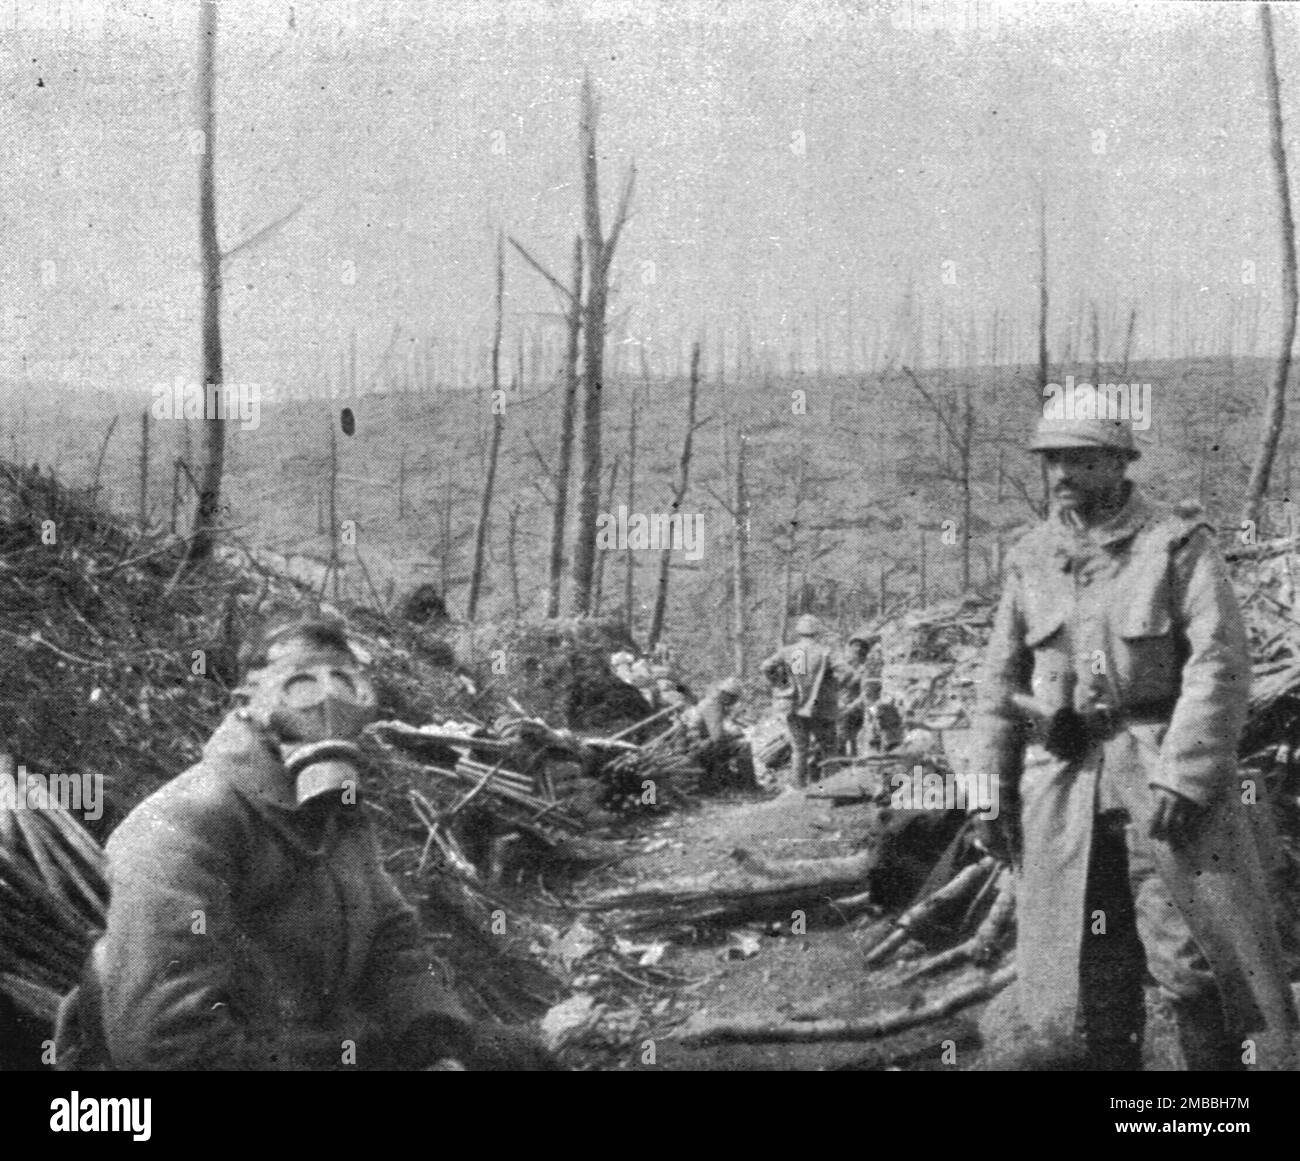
(931, 661)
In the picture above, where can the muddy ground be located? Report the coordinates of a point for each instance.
(820, 974)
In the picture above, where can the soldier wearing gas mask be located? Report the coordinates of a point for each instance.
(251, 924)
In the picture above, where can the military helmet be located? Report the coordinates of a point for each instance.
(807, 626)
(729, 687)
(1063, 433)
(865, 636)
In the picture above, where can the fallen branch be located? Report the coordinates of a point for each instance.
(701, 1031)
(961, 885)
(979, 948)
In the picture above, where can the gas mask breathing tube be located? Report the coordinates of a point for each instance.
(314, 706)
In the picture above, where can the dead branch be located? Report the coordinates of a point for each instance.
(700, 1030)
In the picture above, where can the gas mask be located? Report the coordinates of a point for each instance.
(314, 705)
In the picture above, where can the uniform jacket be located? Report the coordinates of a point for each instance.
(1147, 624)
(860, 683)
(808, 667)
(245, 933)
(709, 721)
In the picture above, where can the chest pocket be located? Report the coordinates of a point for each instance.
(1145, 643)
(1047, 605)
(1048, 608)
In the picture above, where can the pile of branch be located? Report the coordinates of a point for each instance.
(528, 779)
(53, 899)
(665, 762)
(440, 793)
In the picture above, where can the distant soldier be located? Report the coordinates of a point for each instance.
(859, 689)
(723, 751)
(668, 690)
(1114, 695)
(806, 689)
(711, 719)
(886, 728)
(621, 664)
(644, 682)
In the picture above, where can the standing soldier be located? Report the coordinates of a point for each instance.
(859, 689)
(806, 687)
(1114, 694)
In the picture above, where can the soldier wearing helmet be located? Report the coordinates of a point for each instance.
(860, 682)
(1112, 700)
(722, 752)
(806, 689)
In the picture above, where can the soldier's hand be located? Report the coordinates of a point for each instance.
(1175, 817)
(1066, 736)
(995, 836)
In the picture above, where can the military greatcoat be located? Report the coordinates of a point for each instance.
(1135, 619)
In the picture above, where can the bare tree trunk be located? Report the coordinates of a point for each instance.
(792, 532)
(512, 558)
(572, 298)
(1128, 342)
(965, 455)
(679, 495)
(584, 556)
(176, 493)
(739, 553)
(445, 530)
(925, 597)
(214, 427)
(498, 423)
(600, 252)
(564, 469)
(333, 569)
(144, 470)
(1044, 369)
(1275, 404)
(629, 557)
(599, 595)
(1096, 344)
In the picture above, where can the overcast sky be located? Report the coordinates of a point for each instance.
(796, 162)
